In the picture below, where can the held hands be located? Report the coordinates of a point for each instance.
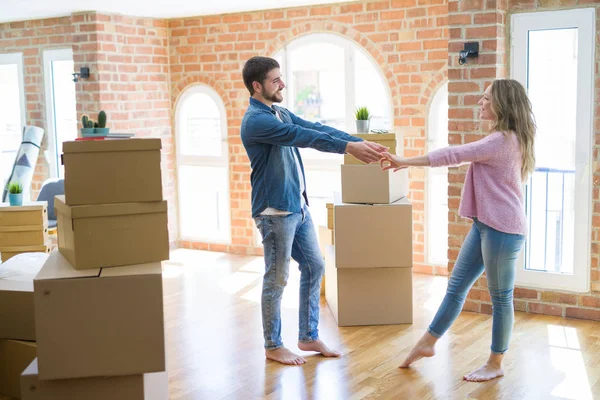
(390, 161)
(365, 151)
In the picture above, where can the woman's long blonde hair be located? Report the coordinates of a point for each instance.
(513, 112)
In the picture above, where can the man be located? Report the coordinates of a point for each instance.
(271, 136)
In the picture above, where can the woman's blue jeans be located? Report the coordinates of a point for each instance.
(495, 252)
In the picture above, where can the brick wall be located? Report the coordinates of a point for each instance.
(488, 22)
(129, 67)
(408, 39)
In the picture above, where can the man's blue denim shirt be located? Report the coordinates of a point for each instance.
(270, 144)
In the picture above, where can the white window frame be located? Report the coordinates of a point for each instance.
(49, 57)
(584, 20)
(16, 59)
(204, 161)
(334, 163)
(437, 102)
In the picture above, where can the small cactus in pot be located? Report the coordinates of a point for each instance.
(87, 126)
(100, 128)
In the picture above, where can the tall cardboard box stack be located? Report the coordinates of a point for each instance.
(98, 299)
(23, 229)
(369, 265)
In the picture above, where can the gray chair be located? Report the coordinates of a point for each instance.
(51, 188)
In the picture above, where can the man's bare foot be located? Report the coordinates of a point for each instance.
(423, 348)
(284, 356)
(319, 347)
(485, 373)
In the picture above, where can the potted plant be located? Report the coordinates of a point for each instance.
(362, 120)
(87, 126)
(15, 194)
(100, 127)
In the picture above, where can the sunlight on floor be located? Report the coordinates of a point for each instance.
(237, 282)
(436, 292)
(256, 265)
(566, 357)
(191, 257)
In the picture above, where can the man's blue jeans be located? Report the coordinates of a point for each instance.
(495, 252)
(288, 236)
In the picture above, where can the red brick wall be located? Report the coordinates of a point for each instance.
(488, 23)
(129, 67)
(408, 39)
(32, 38)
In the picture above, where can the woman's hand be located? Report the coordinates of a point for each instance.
(390, 161)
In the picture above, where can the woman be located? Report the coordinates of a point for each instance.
(493, 199)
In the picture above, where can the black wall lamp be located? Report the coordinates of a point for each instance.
(471, 50)
(84, 73)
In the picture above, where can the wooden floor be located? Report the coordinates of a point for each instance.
(214, 345)
(212, 305)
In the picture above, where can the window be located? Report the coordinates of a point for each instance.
(12, 111)
(327, 77)
(202, 166)
(553, 56)
(61, 112)
(437, 181)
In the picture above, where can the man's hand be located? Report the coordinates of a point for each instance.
(364, 151)
(377, 147)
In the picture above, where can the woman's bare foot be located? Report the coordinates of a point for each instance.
(425, 347)
(284, 356)
(484, 373)
(492, 369)
(319, 347)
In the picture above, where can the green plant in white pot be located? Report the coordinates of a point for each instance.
(363, 118)
(15, 194)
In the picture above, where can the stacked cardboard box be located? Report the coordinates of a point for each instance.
(98, 298)
(369, 265)
(112, 212)
(17, 321)
(23, 229)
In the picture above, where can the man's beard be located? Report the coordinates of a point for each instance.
(275, 97)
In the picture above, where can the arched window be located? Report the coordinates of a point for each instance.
(202, 166)
(437, 181)
(327, 77)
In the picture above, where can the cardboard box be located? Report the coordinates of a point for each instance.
(368, 296)
(389, 140)
(329, 215)
(369, 184)
(325, 239)
(108, 235)
(15, 356)
(7, 253)
(17, 319)
(98, 322)
(112, 171)
(25, 235)
(134, 387)
(373, 236)
(33, 213)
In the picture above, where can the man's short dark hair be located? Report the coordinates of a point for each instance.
(256, 69)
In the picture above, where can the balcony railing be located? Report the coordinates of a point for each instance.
(549, 199)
